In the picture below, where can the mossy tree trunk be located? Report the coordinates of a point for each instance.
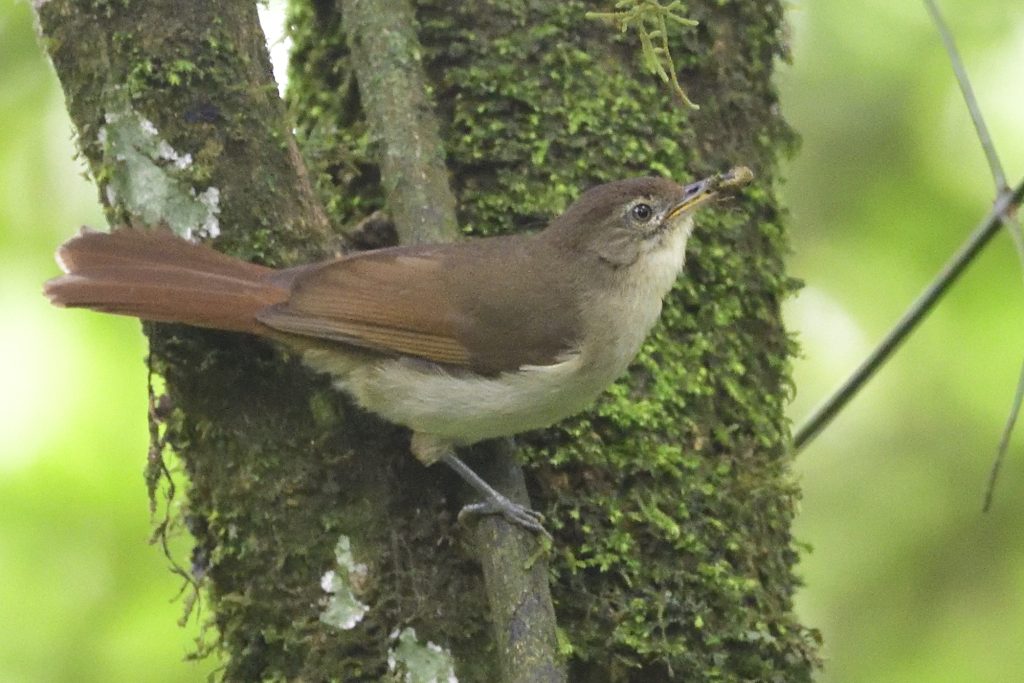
(324, 548)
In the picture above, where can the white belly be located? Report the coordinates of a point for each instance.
(465, 409)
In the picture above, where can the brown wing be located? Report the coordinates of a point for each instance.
(443, 303)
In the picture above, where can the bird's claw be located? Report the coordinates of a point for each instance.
(514, 513)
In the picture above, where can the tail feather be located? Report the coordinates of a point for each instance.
(155, 275)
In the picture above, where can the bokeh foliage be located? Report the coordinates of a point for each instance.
(83, 597)
(908, 580)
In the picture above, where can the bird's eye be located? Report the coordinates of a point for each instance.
(642, 212)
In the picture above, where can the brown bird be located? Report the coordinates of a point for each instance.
(458, 342)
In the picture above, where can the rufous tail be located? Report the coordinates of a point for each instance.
(156, 275)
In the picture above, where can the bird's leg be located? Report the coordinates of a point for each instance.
(494, 503)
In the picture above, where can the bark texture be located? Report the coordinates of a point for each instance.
(327, 552)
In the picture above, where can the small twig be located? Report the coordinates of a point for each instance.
(1004, 442)
(926, 301)
(1005, 205)
(1011, 222)
(401, 118)
(968, 92)
(979, 121)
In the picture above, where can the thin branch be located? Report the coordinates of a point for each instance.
(392, 87)
(968, 92)
(1005, 205)
(1011, 222)
(979, 121)
(1004, 442)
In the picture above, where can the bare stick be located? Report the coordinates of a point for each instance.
(1005, 205)
(979, 121)
(1004, 442)
(1011, 223)
(968, 92)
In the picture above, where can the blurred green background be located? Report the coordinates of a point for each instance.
(908, 580)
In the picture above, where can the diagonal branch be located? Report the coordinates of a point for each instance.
(998, 175)
(968, 93)
(1005, 205)
(1011, 222)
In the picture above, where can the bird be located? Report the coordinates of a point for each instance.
(459, 342)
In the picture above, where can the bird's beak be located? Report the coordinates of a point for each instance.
(694, 195)
(703, 191)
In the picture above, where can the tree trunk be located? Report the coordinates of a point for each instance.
(326, 552)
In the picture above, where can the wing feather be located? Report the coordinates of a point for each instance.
(431, 302)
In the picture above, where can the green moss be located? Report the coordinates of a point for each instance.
(685, 459)
(169, 104)
(332, 130)
(671, 498)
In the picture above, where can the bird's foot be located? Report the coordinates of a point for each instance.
(514, 513)
(493, 502)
